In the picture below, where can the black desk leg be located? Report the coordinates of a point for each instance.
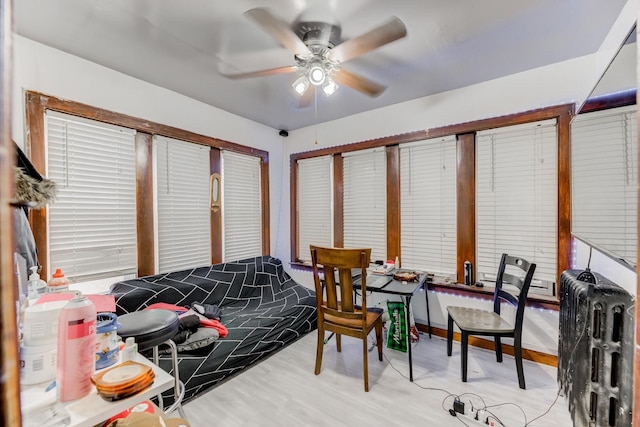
(408, 314)
(425, 287)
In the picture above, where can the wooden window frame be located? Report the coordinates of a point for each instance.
(466, 205)
(36, 106)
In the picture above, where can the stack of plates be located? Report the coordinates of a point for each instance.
(123, 380)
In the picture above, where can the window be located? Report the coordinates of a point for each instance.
(428, 205)
(315, 206)
(182, 197)
(241, 206)
(365, 201)
(604, 163)
(92, 224)
(134, 176)
(516, 199)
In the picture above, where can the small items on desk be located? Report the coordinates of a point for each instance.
(405, 276)
(384, 269)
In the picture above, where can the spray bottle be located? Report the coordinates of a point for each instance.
(37, 286)
(76, 348)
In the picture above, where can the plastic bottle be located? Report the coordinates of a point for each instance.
(468, 273)
(76, 348)
(37, 286)
(130, 349)
(58, 283)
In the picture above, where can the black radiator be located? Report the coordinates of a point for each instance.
(595, 351)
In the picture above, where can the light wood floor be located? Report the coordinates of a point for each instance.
(282, 391)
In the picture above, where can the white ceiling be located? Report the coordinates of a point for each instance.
(183, 45)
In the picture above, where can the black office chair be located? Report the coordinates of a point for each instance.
(474, 321)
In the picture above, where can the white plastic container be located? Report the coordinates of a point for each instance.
(37, 364)
(76, 348)
(58, 283)
(40, 325)
(107, 349)
(130, 349)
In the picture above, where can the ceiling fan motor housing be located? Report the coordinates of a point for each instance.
(318, 34)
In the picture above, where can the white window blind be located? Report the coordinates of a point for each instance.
(92, 224)
(365, 201)
(516, 199)
(604, 163)
(182, 189)
(428, 205)
(241, 206)
(315, 204)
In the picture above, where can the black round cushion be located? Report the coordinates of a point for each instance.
(148, 327)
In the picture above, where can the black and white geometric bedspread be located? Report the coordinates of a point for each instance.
(262, 307)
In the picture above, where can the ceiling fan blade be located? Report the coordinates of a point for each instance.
(358, 83)
(262, 73)
(307, 96)
(386, 33)
(279, 30)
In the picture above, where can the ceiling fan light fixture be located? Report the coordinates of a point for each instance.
(329, 87)
(317, 75)
(301, 84)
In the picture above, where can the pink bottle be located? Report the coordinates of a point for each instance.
(76, 348)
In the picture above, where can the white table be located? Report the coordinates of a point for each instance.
(93, 409)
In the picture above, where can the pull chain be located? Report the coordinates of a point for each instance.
(315, 102)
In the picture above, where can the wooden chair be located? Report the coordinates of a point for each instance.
(474, 321)
(337, 311)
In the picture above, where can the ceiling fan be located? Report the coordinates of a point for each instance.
(318, 53)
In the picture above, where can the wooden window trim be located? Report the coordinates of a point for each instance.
(144, 203)
(215, 162)
(466, 134)
(36, 106)
(606, 102)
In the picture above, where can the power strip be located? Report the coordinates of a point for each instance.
(484, 418)
(469, 419)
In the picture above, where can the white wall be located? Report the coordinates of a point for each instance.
(565, 82)
(53, 72)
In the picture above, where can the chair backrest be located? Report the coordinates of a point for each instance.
(521, 281)
(330, 260)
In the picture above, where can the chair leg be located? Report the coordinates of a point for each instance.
(365, 364)
(517, 346)
(338, 343)
(498, 344)
(156, 361)
(450, 336)
(465, 345)
(379, 339)
(319, 350)
(178, 388)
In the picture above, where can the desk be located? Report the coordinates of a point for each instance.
(93, 409)
(405, 291)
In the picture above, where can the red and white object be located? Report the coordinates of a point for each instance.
(76, 348)
(58, 283)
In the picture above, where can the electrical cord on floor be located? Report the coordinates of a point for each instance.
(449, 394)
(491, 415)
(497, 405)
(484, 407)
(545, 412)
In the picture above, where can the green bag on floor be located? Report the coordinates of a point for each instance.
(397, 337)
